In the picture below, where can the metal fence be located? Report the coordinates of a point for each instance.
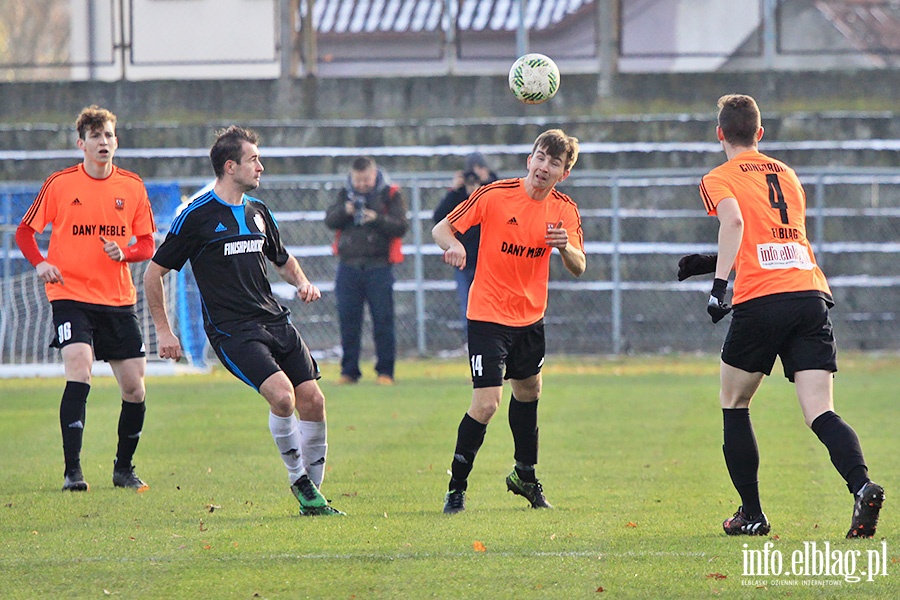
(636, 225)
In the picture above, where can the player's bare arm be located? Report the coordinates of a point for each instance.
(445, 236)
(731, 231)
(167, 342)
(292, 273)
(573, 258)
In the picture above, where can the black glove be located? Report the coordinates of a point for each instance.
(716, 306)
(696, 264)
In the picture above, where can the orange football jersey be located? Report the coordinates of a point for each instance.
(774, 256)
(80, 210)
(513, 270)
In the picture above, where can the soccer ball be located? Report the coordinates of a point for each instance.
(534, 78)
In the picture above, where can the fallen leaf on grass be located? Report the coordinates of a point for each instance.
(202, 526)
(349, 495)
(716, 576)
(478, 546)
(631, 524)
(600, 589)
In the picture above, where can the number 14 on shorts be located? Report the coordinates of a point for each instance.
(476, 364)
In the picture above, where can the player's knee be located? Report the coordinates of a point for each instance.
(483, 412)
(135, 394)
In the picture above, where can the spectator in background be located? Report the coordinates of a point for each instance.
(471, 180)
(94, 208)
(369, 218)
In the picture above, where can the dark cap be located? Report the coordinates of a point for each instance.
(475, 159)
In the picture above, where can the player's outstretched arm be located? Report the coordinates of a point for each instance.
(696, 264)
(167, 343)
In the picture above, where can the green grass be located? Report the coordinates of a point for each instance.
(630, 456)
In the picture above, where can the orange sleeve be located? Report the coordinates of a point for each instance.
(28, 245)
(141, 250)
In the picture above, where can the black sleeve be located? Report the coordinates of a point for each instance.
(274, 248)
(176, 249)
(336, 216)
(448, 203)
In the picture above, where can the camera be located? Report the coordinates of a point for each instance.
(359, 206)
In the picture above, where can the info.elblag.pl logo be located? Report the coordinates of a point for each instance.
(813, 564)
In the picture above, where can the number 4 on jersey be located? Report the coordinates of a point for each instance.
(776, 196)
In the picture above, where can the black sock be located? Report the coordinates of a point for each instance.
(742, 457)
(523, 423)
(843, 446)
(469, 438)
(131, 422)
(72, 412)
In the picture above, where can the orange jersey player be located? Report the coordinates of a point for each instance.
(95, 209)
(87, 214)
(775, 255)
(781, 303)
(522, 220)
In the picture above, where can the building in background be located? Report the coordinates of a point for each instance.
(112, 40)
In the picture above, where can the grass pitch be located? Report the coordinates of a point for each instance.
(630, 456)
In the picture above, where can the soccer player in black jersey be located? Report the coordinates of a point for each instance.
(228, 237)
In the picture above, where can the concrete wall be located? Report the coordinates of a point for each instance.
(482, 96)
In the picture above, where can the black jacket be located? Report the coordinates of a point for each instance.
(472, 236)
(368, 244)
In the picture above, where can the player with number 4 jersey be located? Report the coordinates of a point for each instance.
(774, 256)
(781, 302)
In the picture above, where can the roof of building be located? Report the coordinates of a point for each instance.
(396, 16)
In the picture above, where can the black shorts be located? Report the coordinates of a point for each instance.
(113, 331)
(493, 346)
(798, 329)
(256, 351)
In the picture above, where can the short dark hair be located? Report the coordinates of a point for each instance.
(363, 163)
(92, 118)
(558, 144)
(739, 119)
(229, 146)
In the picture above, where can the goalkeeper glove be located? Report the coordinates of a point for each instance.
(696, 264)
(716, 306)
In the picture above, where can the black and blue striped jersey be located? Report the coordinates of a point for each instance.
(228, 247)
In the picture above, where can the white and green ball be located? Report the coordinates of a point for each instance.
(534, 78)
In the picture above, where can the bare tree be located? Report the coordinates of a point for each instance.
(34, 34)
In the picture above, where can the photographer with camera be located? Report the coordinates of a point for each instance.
(369, 219)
